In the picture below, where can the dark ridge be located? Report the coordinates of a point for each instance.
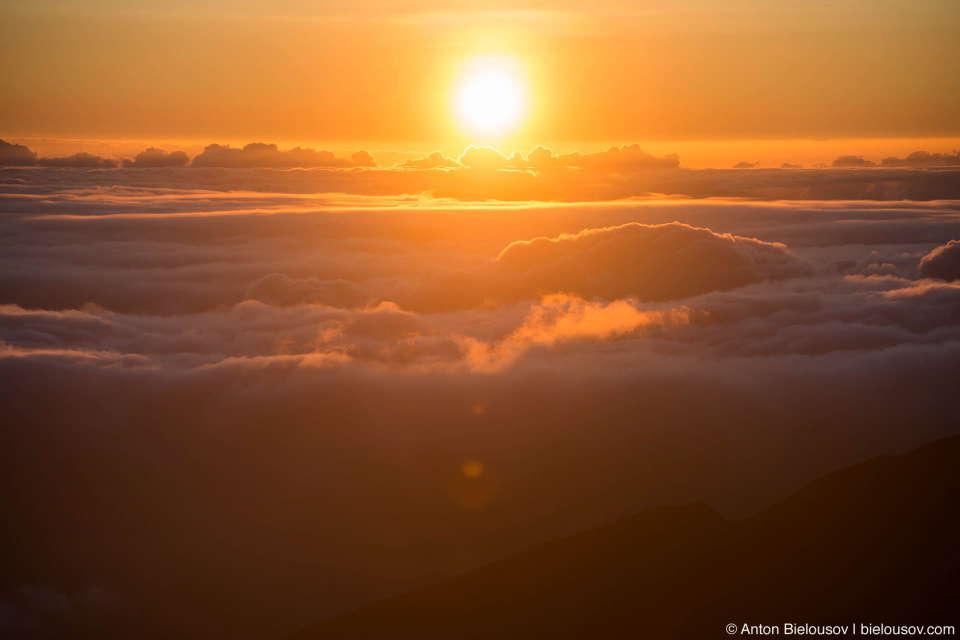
(875, 543)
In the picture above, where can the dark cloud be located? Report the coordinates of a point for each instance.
(16, 155)
(943, 262)
(258, 154)
(81, 160)
(852, 161)
(746, 165)
(924, 159)
(787, 165)
(154, 157)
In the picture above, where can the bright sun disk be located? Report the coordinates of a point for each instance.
(491, 97)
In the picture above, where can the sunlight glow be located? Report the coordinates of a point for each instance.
(491, 97)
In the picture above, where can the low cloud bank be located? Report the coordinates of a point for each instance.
(615, 160)
(80, 160)
(924, 159)
(18, 155)
(915, 159)
(626, 158)
(253, 155)
(851, 161)
(258, 154)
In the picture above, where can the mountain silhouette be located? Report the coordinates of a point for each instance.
(875, 543)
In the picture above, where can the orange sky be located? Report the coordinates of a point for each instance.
(384, 71)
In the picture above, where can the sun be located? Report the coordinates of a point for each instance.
(491, 97)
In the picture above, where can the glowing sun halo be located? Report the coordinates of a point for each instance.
(491, 97)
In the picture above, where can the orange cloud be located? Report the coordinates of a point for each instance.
(154, 157)
(435, 160)
(483, 158)
(561, 318)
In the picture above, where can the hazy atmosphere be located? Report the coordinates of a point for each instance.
(304, 305)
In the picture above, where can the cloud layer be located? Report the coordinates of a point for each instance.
(254, 389)
(484, 173)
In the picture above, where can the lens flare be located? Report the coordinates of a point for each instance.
(472, 468)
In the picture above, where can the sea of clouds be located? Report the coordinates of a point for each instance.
(238, 400)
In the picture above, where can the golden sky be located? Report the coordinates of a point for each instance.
(390, 72)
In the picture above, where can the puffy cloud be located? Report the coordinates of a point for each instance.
(541, 157)
(852, 161)
(154, 157)
(81, 160)
(628, 157)
(258, 154)
(16, 155)
(435, 160)
(363, 159)
(746, 165)
(923, 159)
(615, 159)
(563, 318)
(943, 262)
(787, 165)
(20, 155)
(653, 262)
(483, 158)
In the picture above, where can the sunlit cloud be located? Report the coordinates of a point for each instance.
(562, 318)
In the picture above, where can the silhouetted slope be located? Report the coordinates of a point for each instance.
(874, 543)
(877, 542)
